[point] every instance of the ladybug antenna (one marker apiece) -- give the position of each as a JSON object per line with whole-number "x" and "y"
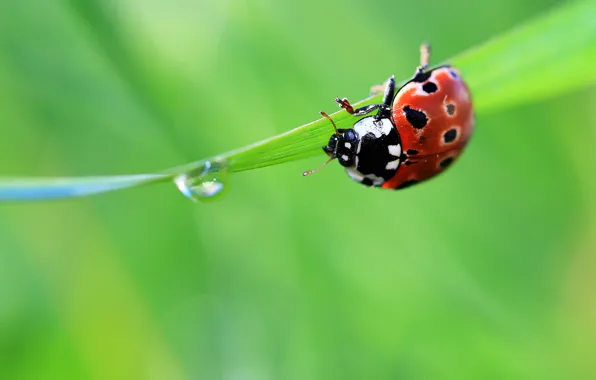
{"x": 324, "y": 114}
{"x": 309, "y": 172}
{"x": 332, "y": 156}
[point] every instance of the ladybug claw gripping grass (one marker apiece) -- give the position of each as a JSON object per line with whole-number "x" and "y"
{"x": 416, "y": 133}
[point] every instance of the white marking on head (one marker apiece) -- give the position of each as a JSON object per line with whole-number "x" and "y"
{"x": 344, "y": 157}
{"x": 348, "y": 145}
{"x": 392, "y": 165}
{"x": 371, "y": 125}
{"x": 395, "y": 150}
{"x": 387, "y": 126}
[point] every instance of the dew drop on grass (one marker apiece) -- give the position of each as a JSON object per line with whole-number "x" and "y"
{"x": 204, "y": 184}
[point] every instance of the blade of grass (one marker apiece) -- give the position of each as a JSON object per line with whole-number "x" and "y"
{"x": 547, "y": 56}
{"x": 29, "y": 189}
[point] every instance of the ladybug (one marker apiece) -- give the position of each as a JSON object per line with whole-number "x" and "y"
{"x": 417, "y": 132}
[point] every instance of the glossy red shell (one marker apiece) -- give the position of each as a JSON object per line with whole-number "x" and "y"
{"x": 449, "y": 124}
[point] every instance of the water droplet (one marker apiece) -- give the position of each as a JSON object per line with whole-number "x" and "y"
{"x": 204, "y": 184}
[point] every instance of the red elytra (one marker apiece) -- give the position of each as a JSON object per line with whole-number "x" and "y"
{"x": 450, "y": 122}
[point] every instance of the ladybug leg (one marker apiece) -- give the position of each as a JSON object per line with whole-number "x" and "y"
{"x": 424, "y": 58}
{"x": 381, "y": 88}
{"x": 424, "y": 55}
{"x": 384, "y": 87}
{"x": 386, "y": 105}
{"x": 378, "y": 89}
{"x": 345, "y": 104}
{"x": 389, "y": 92}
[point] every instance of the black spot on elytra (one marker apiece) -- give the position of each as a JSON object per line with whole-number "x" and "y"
{"x": 407, "y": 183}
{"x": 429, "y": 87}
{"x": 417, "y": 118}
{"x": 412, "y": 152}
{"x": 446, "y": 162}
{"x": 367, "y": 181}
{"x": 450, "y": 135}
{"x": 450, "y": 108}
{"x": 408, "y": 163}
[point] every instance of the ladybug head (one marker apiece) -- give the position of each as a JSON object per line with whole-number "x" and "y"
{"x": 342, "y": 145}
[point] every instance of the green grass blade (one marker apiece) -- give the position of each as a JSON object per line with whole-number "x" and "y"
{"x": 18, "y": 189}
{"x": 545, "y": 57}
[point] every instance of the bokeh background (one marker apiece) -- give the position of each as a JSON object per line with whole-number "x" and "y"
{"x": 485, "y": 273}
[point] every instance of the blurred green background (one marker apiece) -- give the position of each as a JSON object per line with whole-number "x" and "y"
{"x": 486, "y": 272}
